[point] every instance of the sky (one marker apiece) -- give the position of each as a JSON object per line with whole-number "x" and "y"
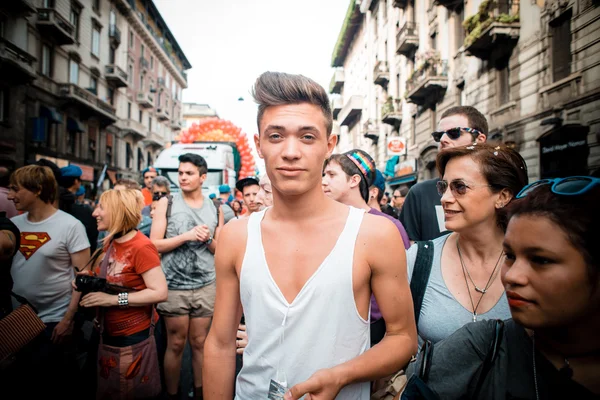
{"x": 231, "y": 42}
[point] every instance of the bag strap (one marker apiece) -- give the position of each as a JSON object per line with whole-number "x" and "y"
{"x": 491, "y": 355}
{"x": 169, "y": 206}
{"x": 104, "y": 263}
{"x": 426, "y": 359}
{"x": 420, "y": 275}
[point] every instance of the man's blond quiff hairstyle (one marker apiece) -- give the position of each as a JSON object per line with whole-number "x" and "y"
{"x": 125, "y": 208}
{"x": 278, "y": 88}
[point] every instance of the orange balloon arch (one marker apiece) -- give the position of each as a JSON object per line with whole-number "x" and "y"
{"x": 220, "y": 130}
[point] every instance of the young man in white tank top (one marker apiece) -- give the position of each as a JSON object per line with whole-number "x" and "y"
{"x": 304, "y": 270}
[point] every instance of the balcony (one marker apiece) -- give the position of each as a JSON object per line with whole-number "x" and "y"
{"x": 144, "y": 63}
{"x": 370, "y": 130}
{"x": 391, "y": 112}
{"x": 336, "y": 106}
{"x": 114, "y": 34}
{"x": 400, "y": 3}
{"x": 449, "y": 4}
{"x": 16, "y": 63}
{"x": 162, "y": 114}
{"x": 176, "y": 125}
{"x": 337, "y": 81}
{"x": 154, "y": 140}
{"x": 116, "y": 76}
{"x": 428, "y": 83}
{"x": 88, "y": 103}
{"x": 133, "y": 128}
{"x": 351, "y": 110}
{"x": 381, "y": 73}
{"x": 53, "y": 25}
{"x": 407, "y": 40}
{"x": 493, "y": 32}
{"x": 145, "y": 100}
{"x": 18, "y": 7}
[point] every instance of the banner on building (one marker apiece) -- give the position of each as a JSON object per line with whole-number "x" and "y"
{"x": 396, "y": 146}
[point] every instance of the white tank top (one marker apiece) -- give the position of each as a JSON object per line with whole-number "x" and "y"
{"x": 320, "y": 329}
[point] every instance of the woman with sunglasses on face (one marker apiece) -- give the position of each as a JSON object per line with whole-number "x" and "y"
{"x": 477, "y": 183}
{"x": 550, "y": 349}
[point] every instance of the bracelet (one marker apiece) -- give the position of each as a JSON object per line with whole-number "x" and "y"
{"x": 123, "y": 299}
{"x": 209, "y": 241}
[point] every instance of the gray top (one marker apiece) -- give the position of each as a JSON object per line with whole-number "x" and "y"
{"x": 441, "y": 314}
{"x": 228, "y": 213}
{"x": 191, "y": 265}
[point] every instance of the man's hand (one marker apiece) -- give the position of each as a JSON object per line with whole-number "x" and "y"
{"x": 322, "y": 385}
{"x": 241, "y": 339}
{"x": 202, "y": 233}
{"x": 63, "y": 330}
{"x": 99, "y": 299}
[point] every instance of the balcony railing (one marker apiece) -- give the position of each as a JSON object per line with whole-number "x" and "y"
{"x": 428, "y": 84}
{"x": 407, "y": 40}
{"x": 493, "y": 31}
{"x": 162, "y": 114}
{"x": 144, "y": 62}
{"x": 176, "y": 125}
{"x": 370, "y": 130}
{"x": 116, "y": 76}
{"x": 89, "y": 102}
{"x": 353, "y": 108}
{"x": 16, "y": 62}
{"x": 337, "y": 81}
{"x": 132, "y": 127}
{"x": 336, "y": 106}
{"x": 381, "y": 73}
{"x": 391, "y": 112}
{"x": 145, "y": 100}
{"x": 53, "y": 25}
{"x": 114, "y": 33}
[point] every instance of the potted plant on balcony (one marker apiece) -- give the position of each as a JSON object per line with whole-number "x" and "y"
{"x": 476, "y": 24}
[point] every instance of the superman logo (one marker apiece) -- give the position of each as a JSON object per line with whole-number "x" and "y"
{"x": 31, "y": 242}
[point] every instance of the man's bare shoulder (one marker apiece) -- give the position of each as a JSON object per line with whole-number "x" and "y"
{"x": 378, "y": 230}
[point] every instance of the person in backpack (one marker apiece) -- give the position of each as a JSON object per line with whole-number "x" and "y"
{"x": 550, "y": 349}
{"x": 185, "y": 230}
{"x": 477, "y": 183}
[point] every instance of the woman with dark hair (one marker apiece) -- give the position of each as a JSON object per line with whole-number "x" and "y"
{"x": 550, "y": 349}
{"x": 477, "y": 183}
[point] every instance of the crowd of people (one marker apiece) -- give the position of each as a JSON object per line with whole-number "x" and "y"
{"x": 314, "y": 282}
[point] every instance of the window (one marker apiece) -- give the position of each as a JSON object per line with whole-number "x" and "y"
{"x": 128, "y": 155}
{"x": 459, "y": 30}
{"x": 140, "y": 163}
{"x": 433, "y": 41}
{"x": 112, "y": 18}
{"x": 503, "y": 84}
{"x": 152, "y": 62}
{"x": 149, "y": 159}
{"x": 73, "y": 72}
{"x": 140, "y": 116}
{"x": 111, "y": 96}
{"x": 128, "y": 110}
{"x": 130, "y": 73}
{"x": 72, "y": 142}
{"x": 150, "y": 123}
{"x": 96, "y": 40}
{"x": 561, "y": 46}
{"x": 48, "y": 4}
{"x": 111, "y": 55}
{"x": 158, "y": 98}
{"x": 413, "y": 132}
{"x": 96, "y": 5}
{"x": 94, "y": 85}
{"x": 74, "y": 19}
{"x": 143, "y": 50}
{"x": 131, "y": 39}
{"x": 141, "y": 82}
{"x": 46, "y": 63}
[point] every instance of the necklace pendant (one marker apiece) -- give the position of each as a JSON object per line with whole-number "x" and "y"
{"x": 482, "y": 291}
{"x": 474, "y": 317}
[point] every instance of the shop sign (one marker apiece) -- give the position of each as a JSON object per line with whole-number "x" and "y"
{"x": 406, "y": 167}
{"x": 396, "y": 145}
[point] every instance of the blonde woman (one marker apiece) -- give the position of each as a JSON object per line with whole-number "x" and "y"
{"x": 134, "y": 264}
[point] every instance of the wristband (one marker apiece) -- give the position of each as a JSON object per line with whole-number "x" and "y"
{"x": 123, "y": 299}
{"x": 209, "y": 241}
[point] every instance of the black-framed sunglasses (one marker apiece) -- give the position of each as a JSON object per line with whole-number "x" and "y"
{"x": 454, "y": 133}
{"x": 458, "y": 188}
{"x": 569, "y": 186}
{"x": 158, "y": 195}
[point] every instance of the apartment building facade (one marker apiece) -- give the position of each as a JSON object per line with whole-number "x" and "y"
{"x": 105, "y": 89}
{"x": 531, "y": 67}
{"x": 195, "y": 112}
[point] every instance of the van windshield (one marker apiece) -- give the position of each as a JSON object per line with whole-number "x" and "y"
{"x": 213, "y": 178}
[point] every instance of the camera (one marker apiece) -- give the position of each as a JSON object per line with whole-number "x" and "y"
{"x": 88, "y": 283}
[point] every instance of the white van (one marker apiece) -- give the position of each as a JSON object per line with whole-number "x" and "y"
{"x": 219, "y": 157}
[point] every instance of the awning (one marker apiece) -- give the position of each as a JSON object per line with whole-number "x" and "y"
{"x": 74, "y": 125}
{"x": 50, "y": 113}
{"x": 398, "y": 180}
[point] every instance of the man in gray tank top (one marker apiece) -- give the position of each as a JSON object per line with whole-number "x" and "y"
{"x": 185, "y": 231}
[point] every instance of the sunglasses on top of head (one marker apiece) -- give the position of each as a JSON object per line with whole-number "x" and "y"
{"x": 569, "y": 186}
{"x": 454, "y": 133}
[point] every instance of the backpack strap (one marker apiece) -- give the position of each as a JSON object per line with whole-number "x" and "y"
{"x": 169, "y": 206}
{"x": 420, "y": 275}
{"x": 491, "y": 356}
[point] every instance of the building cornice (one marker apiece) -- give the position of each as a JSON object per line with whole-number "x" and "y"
{"x": 352, "y": 22}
